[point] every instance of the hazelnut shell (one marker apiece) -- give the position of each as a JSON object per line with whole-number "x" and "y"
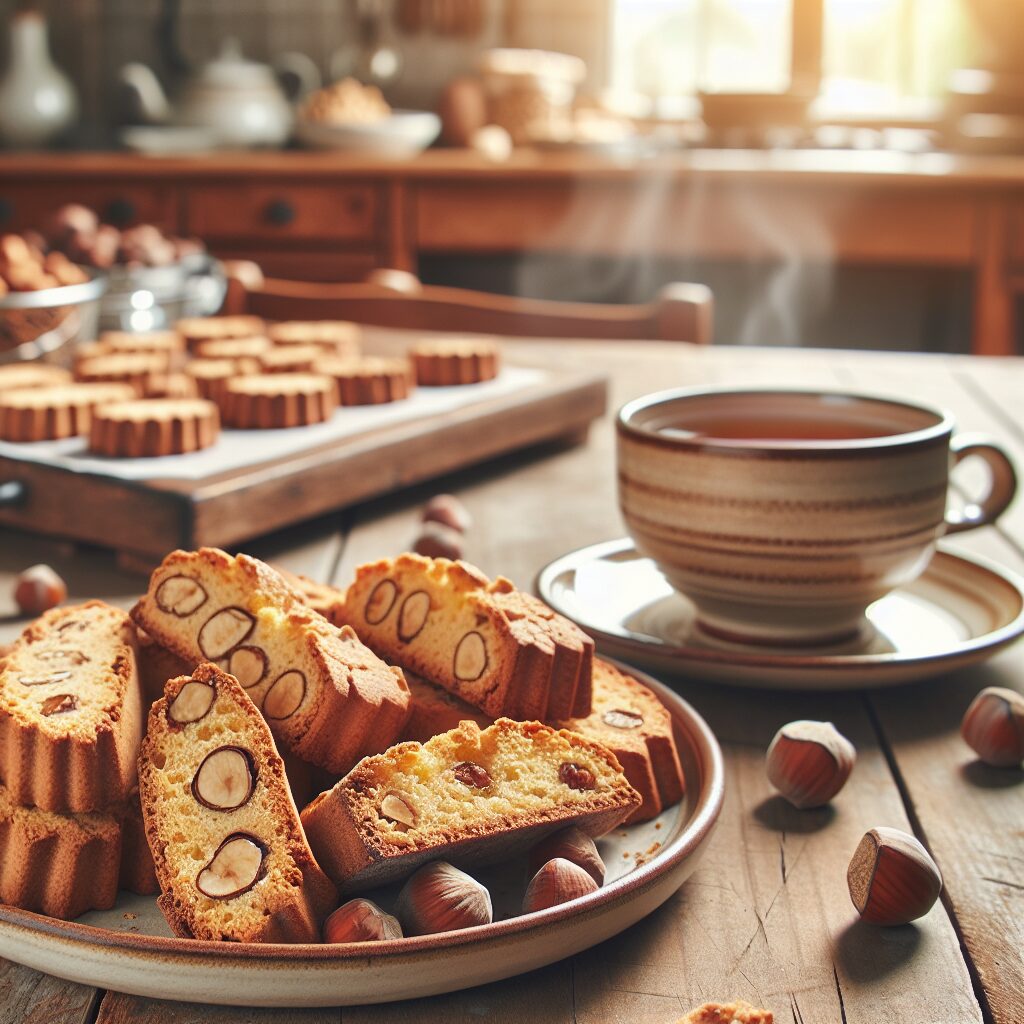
{"x": 809, "y": 762}
{"x": 892, "y": 878}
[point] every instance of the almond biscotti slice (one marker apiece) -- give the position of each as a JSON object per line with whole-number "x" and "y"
{"x": 469, "y": 796}
{"x": 57, "y": 864}
{"x": 632, "y": 723}
{"x": 327, "y": 698}
{"x": 230, "y": 855}
{"x": 435, "y": 710}
{"x": 71, "y": 710}
{"x": 497, "y": 648}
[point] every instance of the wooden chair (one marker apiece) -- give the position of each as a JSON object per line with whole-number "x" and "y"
{"x": 395, "y": 298}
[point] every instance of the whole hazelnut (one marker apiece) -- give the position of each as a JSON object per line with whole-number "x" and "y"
{"x": 437, "y": 541}
{"x": 441, "y": 898}
{"x": 449, "y": 511}
{"x": 559, "y": 881}
{"x": 993, "y": 727}
{"x": 38, "y": 589}
{"x": 891, "y": 877}
{"x": 572, "y": 844}
{"x": 809, "y": 762}
{"x": 361, "y": 921}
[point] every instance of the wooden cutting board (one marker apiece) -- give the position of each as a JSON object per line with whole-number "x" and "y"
{"x": 153, "y": 516}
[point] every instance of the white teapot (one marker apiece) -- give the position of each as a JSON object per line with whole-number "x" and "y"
{"x": 238, "y": 101}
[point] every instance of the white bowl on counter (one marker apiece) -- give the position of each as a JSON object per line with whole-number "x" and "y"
{"x": 404, "y": 134}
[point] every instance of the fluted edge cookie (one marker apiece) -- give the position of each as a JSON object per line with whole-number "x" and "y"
{"x": 14, "y": 376}
{"x": 449, "y": 361}
{"x": 369, "y": 381}
{"x": 154, "y": 427}
{"x": 212, "y": 376}
{"x": 53, "y": 413}
{"x": 199, "y": 328}
{"x": 230, "y": 854}
{"x": 632, "y": 723}
{"x": 503, "y": 651}
{"x": 278, "y": 400}
{"x": 329, "y": 700}
{"x": 232, "y": 348}
{"x": 71, "y": 710}
{"x": 134, "y": 368}
{"x": 468, "y": 796}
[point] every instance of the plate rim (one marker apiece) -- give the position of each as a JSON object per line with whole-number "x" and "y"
{"x": 691, "y": 838}
{"x": 780, "y": 659}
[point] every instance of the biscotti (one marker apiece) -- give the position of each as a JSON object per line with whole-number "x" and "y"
{"x": 154, "y": 427}
{"x": 497, "y": 648}
{"x": 57, "y": 864}
{"x": 448, "y": 361}
{"x": 230, "y": 855}
{"x": 52, "y": 413}
{"x": 435, "y": 710}
{"x": 277, "y": 400}
{"x": 632, "y": 723}
{"x": 328, "y": 699}
{"x": 71, "y": 710}
{"x": 469, "y": 796}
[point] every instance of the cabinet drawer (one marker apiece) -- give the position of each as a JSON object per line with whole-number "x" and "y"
{"x": 300, "y": 264}
{"x": 25, "y": 205}
{"x": 262, "y": 211}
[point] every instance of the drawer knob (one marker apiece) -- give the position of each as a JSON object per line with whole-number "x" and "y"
{"x": 120, "y": 212}
{"x": 280, "y": 212}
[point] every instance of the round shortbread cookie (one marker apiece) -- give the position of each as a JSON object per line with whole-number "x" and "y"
{"x": 369, "y": 381}
{"x": 335, "y": 337}
{"x": 265, "y": 401}
{"x": 149, "y": 341}
{"x": 198, "y": 328}
{"x": 14, "y": 376}
{"x": 232, "y": 348}
{"x": 171, "y": 385}
{"x": 212, "y": 375}
{"x": 447, "y": 361}
{"x": 290, "y": 358}
{"x": 48, "y": 414}
{"x": 153, "y": 427}
{"x": 135, "y": 368}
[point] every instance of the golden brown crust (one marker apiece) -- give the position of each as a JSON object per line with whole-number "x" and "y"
{"x": 171, "y": 385}
{"x": 435, "y": 710}
{"x": 288, "y": 897}
{"x": 134, "y": 368}
{"x": 278, "y": 400}
{"x": 368, "y": 381}
{"x": 232, "y": 348}
{"x": 60, "y": 865}
{"x": 138, "y": 873}
{"x": 71, "y": 710}
{"x": 212, "y": 376}
{"x": 532, "y": 662}
{"x": 170, "y": 342}
{"x": 360, "y": 847}
{"x": 337, "y": 337}
{"x": 150, "y": 428}
{"x": 451, "y": 361}
{"x": 31, "y": 375}
{"x": 198, "y": 328}
{"x": 52, "y": 413}
{"x": 290, "y": 358}
{"x": 738, "y": 1012}
{"x": 631, "y": 722}
{"x": 349, "y": 703}
{"x": 321, "y": 597}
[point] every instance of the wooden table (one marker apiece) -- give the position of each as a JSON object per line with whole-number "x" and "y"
{"x": 766, "y": 916}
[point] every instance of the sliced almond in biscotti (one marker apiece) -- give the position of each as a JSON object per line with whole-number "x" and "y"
{"x": 328, "y": 699}
{"x": 229, "y": 852}
{"x": 501, "y": 650}
{"x": 468, "y": 796}
{"x": 71, "y": 710}
{"x": 631, "y": 722}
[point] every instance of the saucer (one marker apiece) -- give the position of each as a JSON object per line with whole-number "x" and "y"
{"x": 960, "y": 611}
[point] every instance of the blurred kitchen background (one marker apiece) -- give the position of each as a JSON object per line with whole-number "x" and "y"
{"x": 752, "y": 145}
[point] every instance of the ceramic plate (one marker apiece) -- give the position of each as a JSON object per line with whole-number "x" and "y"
{"x": 405, "y": 133}
{"x": 959, "y": 612}
{"x": 129, "y": 948}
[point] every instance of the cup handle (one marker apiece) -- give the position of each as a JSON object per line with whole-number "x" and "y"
{"x": 1002, "y": 483}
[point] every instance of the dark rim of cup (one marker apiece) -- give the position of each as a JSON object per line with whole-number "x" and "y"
{"x": 627, "y": 425}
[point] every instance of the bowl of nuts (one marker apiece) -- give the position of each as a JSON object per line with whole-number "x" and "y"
{"x": 47, "y": 303}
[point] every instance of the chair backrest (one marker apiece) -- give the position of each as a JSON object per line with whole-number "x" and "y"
{"x": 390, "y": 298}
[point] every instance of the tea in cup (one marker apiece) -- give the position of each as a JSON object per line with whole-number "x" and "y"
{"x": 783, "y": 514}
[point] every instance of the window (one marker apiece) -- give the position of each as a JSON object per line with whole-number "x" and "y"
{"x": 871, "y": 53}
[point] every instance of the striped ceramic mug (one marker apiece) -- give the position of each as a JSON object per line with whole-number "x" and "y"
{"x": 783, "y": 514}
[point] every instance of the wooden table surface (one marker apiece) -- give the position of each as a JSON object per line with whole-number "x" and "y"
{"x": 766, "y": 916}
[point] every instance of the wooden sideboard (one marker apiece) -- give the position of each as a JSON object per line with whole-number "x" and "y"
{"x": 327, "y": 216}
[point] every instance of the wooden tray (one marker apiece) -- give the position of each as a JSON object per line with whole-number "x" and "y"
{"x": 129, "y": 948}
{"x": 153, "y": 516}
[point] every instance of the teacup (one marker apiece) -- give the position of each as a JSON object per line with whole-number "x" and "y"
{"x": 783, "y": 514}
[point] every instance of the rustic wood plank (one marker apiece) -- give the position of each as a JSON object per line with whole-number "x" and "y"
{"x": 121, "y": 1009}
{"x": 978, "y": 848}
{"x": 28, "y": 997}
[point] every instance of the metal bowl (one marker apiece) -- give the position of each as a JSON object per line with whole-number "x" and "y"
{"x": 47, "y": 324}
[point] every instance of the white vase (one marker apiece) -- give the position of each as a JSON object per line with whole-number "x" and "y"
{"x": 37, "y": 100}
